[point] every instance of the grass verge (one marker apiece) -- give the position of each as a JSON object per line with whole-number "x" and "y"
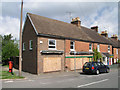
{"x": 8, "y": 75}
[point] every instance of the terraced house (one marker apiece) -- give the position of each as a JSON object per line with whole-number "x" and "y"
{"x": 50, "y": 45}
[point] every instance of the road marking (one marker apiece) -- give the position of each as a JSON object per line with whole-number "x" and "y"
{"x": 92, "y": 83}
{"x": 8, "y": 81}
{"x": 30, "y": 80}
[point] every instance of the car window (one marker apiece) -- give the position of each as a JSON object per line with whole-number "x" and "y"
{"x": 102, "y": 64}
{"x": 95, "y": 64}
{"x": 87, "y": 64}
{"x": 98, "y": 64}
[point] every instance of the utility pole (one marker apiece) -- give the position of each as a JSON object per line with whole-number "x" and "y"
{"x": 20, "y": 41}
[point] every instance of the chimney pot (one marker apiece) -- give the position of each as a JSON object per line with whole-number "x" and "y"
{"x": 114, "y": 36}
{"x": 95, "y": 28}
{"x": 76, "y": 21}
{"x": 104, "y": 33}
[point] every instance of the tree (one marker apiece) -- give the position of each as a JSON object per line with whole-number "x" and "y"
{"x": 97, "y": 55}
{"x": 9, "y": 47}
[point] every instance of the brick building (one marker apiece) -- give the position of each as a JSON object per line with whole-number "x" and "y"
{"x": 51, "y": 45}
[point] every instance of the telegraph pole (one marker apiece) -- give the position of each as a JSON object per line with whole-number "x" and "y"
{"x": 20, "y": 41}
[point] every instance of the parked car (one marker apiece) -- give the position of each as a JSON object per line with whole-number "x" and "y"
{"x": 95, "y": 67}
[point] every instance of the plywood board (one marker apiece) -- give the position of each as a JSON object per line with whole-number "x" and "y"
{"x": 79, "y": 62}
{"x": 51, "y": 64}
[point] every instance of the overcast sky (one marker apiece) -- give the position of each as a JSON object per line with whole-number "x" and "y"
{"x": 102, "y": 14}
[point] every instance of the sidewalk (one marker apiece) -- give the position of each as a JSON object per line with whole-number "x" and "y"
{"x": 44, "y": 75}
{"x": 52, "y": 74}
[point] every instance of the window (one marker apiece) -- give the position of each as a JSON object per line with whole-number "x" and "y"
{"x": 52, "y": 44}
{"x": 90, "y": 47}
{"x": 23, "y": 46}
{"x": 108, "y": 48}
{"x": 116, "y": 51}
{"x": 72, "y": 45}
{"x": 98, "y": 48}
{"x": 30, "y": 44}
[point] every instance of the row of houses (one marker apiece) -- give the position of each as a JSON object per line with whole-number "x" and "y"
{"x": 50, "y": 45}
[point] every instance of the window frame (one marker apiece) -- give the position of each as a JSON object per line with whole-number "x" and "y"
{"x": 90, "y": 47}
{"x": 23, "y": 46}
{"x": 108, "y": 48}
{"x": 98, "y": 47}
{"x": 116, "y": 51}
{"x": 30, "y": 48}
{"x": 73, "y": 46}
{"x": 51, "y": 45}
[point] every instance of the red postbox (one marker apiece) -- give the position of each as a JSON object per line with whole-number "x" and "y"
{"x": 10, "y": 66}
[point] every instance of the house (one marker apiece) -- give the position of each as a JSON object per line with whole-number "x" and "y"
{"x": 115, "y": 46}
{"x": 50, "y": 45}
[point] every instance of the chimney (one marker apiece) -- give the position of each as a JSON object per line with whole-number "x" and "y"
{"x": 104, "y": 33}
{"x": 95, "y": 28}
{"x": 114, "y": 36}
{"x": 76, "y": 21}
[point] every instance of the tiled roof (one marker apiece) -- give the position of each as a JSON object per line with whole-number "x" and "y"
{"x": 51, "y": 27}
{"x": 115, "y": 43}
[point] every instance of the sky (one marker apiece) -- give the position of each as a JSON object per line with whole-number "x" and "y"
{"x": 101, "y": 14}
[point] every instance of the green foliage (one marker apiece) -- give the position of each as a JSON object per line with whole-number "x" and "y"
{"x": 8, "y": 75}
{"x": 119, "y": 61}
{"x": 9, "y": 47}
{"x": 97, "y": 55}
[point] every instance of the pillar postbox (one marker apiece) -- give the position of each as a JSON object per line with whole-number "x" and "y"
{"x": 10, "y": 66}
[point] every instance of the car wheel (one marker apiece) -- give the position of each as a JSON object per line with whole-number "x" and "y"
{"x": 108, "y": 70}
{"x": 97, "y": 72}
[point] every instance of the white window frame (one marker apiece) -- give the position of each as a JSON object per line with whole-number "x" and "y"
{"x": 30, "y": 45}
{"x": 73, "y": 46}
{"x": 24, "y": 46}
{"x": 108, "y": 48}
{"x": 90, "y": 47}
{"x": 98, "y": 47}
{"x": 51, "y": 45}
{"x": 116, "y": 51}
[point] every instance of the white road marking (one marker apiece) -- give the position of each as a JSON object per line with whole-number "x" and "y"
{"x": 92, "y": 83}
{"x": 8, "y": 81}
{"x": 30, "y": 80}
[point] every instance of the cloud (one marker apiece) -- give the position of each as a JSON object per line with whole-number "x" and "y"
{"x": 103, "y": 14}
{"x": 9, "y": 25}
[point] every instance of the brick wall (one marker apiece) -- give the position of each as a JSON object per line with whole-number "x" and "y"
{"x": 119, "y": 53}
{"x": 29, "y": 62}
{"x": 44, "y": 46}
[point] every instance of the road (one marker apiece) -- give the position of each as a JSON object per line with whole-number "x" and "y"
{"x": 105, "y": 80}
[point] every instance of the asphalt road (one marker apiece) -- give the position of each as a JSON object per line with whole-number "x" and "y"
{"x": 105, "y": 80}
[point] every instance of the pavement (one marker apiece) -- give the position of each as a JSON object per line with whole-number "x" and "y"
{"x": 50, "y": 75}
{"x": 66, "y": 80}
